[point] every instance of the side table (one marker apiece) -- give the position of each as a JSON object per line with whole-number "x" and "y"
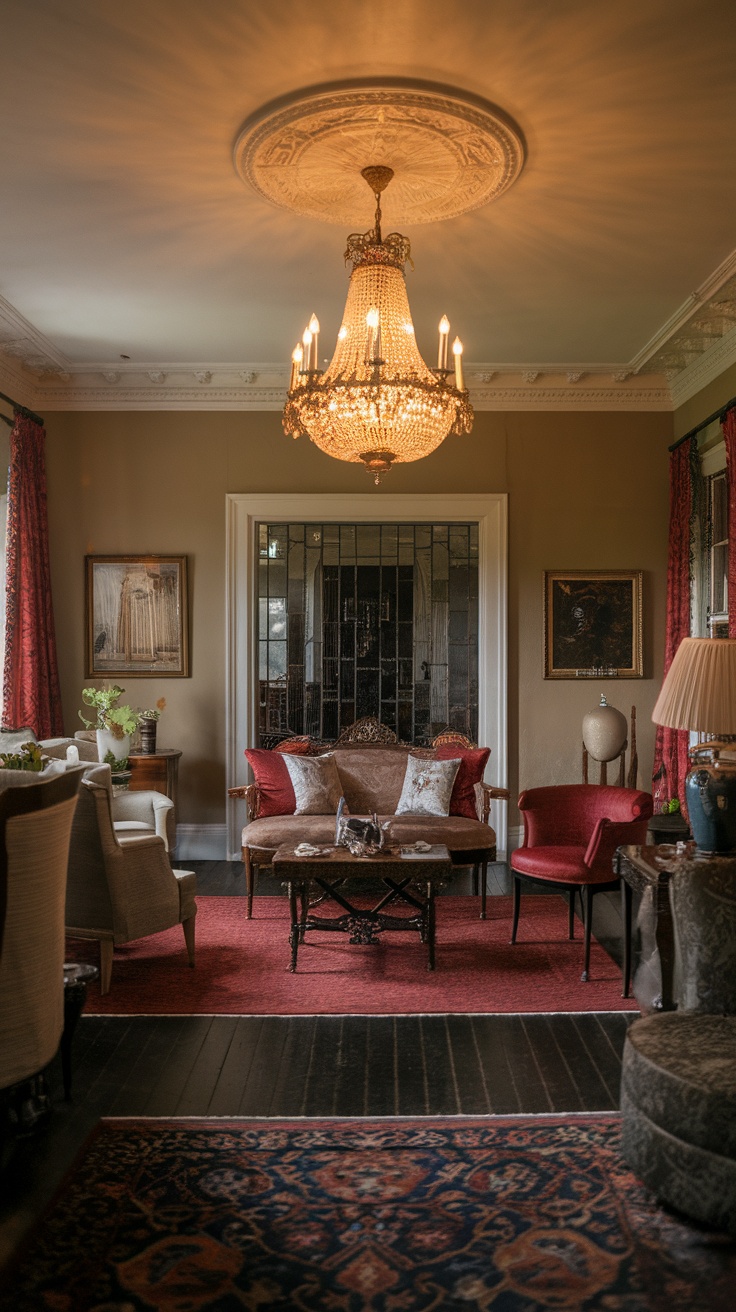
{"x": 76, "y": 979}
{"x": 159, "y": 771}
{"x": 648, "y": 870}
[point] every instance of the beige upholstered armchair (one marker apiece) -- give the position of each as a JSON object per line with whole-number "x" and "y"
{"x": 141, "y": 810}
{"x": 121, "y": 886}
{"x": 35, "y": 826}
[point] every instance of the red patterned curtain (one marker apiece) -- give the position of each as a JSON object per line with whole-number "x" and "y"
{"x": 670, "y": 750}
{"x": 729, "y": 437}
{"x": 31, "y": 693}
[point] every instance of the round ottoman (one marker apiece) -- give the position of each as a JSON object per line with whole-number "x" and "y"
{"x": 678, "y": 1103}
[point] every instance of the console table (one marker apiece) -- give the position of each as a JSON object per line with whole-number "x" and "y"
{"x": 648, "y": 870}
{"x": 160, "y": 772}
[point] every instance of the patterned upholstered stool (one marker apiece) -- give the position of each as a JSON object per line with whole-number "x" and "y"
{"x": 678, "y": 1101}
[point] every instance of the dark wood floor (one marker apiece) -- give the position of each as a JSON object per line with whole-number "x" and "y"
{"x": 317, "y": 1066}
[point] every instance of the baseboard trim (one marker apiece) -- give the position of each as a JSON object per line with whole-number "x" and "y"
{"x": 515, "y": 838}
{"x": 202, "y": 843}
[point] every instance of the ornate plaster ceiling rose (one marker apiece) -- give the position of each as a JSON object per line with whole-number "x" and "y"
{"x": 450, "y": 152}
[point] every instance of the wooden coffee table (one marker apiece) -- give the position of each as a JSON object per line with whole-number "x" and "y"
{"x": 313, "y": 879}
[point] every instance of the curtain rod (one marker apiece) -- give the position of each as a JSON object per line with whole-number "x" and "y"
{"x": 19, "y": 409}
{"x": 717, "y": 414}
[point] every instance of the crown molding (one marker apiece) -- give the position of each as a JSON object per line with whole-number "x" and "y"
{"x": 714, "y": 361}
{"x": 690, "y": 350}
{"x": 698, "y": 342}
{"x": 263, "y": 387}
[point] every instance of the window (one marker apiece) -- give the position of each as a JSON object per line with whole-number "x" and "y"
{"x": 717, "y": 549}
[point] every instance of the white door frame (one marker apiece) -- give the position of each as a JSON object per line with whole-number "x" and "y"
{"x": 244, "y": 511}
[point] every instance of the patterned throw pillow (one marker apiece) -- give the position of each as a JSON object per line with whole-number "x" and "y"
{"x": 427, "y": 787}
{"x": 316, "y": 784}
{"x": 473, "y": 761}
{"x": 275, "y": 792}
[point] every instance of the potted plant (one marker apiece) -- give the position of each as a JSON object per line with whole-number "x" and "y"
{"x": 113, "y": 724}
{"x": 147, "y": 721}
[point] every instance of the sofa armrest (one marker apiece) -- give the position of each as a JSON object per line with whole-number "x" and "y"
{"x": 250, "y": 793}
{"x": 484, "y": 795}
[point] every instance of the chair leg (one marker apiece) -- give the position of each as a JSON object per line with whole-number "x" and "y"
{"x": 188, "y": 927}
{"x": 626, "y": 900}
{"x": 587, "y": 922}
{"x": 571, "y": 913}
{"x": 517, "y": 907}
{"x": 249, "y": 881}
{"x": 483, "y": 888}
{"x": 106, "y": 947}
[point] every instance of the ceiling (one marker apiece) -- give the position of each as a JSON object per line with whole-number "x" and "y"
{"x": 126, "y": 231}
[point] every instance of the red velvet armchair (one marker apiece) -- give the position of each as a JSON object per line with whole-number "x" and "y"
{"x": 571, "y": 832}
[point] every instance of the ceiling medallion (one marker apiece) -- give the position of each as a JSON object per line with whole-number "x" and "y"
{"x": 450, "y": 151}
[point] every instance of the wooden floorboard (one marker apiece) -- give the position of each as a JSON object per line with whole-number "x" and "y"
{"x": 319, "y": 1066}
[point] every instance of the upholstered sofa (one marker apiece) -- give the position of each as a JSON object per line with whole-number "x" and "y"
{"x": 371, "y": 777}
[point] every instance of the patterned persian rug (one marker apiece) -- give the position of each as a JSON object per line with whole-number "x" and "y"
{"x": 503, "y": 1215}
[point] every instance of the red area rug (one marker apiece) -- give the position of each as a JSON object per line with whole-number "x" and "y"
{"x": 242, "y": 966}
{"x": 503, "y": 1214}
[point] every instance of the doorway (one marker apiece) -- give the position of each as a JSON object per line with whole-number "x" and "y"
{"x": 248, "y": 514}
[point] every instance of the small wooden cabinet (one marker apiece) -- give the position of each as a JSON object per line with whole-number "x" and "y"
{"x": 159, "y": 771}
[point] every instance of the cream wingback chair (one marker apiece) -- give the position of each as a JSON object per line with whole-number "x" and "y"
{"x": 121, "y": 887}
{"x": 139, "y": 811}
{"x": 35, "y": 827}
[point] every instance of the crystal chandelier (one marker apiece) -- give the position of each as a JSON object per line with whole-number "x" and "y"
{"x": 377, "y": 402}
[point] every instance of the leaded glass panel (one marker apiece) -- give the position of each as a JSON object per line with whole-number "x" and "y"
{"x": 367, "y": 619}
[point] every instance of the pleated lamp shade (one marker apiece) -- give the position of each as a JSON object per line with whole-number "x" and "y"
{"x": 699, "y": 690}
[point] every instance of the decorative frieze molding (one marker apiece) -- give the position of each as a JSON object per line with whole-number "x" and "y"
{"x": 696, "y": 345}
{"x": 224, "y": 387}
{"x": 699, "y": 340}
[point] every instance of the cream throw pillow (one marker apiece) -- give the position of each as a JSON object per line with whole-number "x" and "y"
{"x": 427, "y": 787}
{"x": 316, "y": 783}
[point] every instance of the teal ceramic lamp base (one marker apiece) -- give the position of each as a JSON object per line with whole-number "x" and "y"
{"x": 710, "y": 795}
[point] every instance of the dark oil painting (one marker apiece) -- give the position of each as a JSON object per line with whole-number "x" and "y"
{"x": 592, "y": 624}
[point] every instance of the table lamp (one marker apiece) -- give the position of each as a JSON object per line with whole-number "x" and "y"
{"x": 699, "y": 693}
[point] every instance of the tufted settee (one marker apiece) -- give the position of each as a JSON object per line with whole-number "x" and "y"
{"x": 372, "y": 777}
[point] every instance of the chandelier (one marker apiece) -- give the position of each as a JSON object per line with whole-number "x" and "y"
{"x": 377, "y": 402}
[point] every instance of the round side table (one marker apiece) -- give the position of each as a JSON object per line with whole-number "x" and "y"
{"x": 76, "y": 979}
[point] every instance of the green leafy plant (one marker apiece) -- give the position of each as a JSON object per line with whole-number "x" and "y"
{"x": 116, "y": 766}
{"x": 118, "y": 720}
{"x": 671, "y": 807}
{"x": 28, "y": 758}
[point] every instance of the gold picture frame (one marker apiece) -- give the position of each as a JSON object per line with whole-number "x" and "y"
{"x": 137, "y": 617}
{"x": 593, "y": 624}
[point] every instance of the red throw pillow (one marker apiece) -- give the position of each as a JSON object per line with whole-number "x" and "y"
{"x": 275, "y": 789}
{"x": 473, "y": 762}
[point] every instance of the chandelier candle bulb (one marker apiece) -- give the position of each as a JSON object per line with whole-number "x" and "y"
{"x": 457, "y": 351}
{"x": 297, "y": 356}
{"x": 314, "y": 330}
{"x": 307, "y": 358}
{"x": 444, "y": 334}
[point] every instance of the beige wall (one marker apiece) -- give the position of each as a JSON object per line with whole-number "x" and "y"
{"x": 705, "y": 402}
{"x": 585, "y": 491}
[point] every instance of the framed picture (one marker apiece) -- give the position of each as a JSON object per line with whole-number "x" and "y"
{"x": 137, "y": 623}
{"x": 592, "y": 624}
